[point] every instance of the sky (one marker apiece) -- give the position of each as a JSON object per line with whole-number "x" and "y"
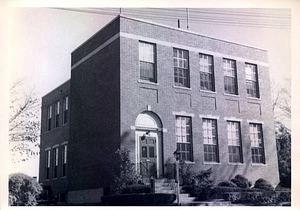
{"x": 41, "y": 40}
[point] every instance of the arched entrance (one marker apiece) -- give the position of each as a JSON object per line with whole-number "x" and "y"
{"x": 148, "y": 139}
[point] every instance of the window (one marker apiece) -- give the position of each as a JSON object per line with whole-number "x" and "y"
{"x": 210, "y": 139}
{"x": 48, "y": 158}
{"x": 64, "y": 159}
{"x": 230, "y": 82}
{"x": 257, "y": 145}
{"x": 252, "y": 80}
{"x": 206, "y": 72}
{"x": 184, "y": 137}
{"x": 147, "y": 61}
{"x": 181, "y": 67}
{"x": 55, "y": 163}
{"x": 49, "y": 118}
{"x": 57, "y": 114}
{"x": 65, "y": 109}
{"x": 234, "y": 142}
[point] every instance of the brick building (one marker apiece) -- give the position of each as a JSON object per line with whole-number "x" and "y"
{"x": 155, "y": 89}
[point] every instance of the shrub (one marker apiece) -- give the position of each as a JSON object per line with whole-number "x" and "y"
{"x": 263, "y": 184}
{"x": 220, "y": 192}
{"x": 253, "y": 197}
{"x": 241, "y": 181}
{"x": 23, "y": 190}
{"x": 227, "y": 184}
{"x": 136, "y": 188}
{"x": 150, "y": 199}
{"x": 127, "y": 174}
{"x": 201, "y": 184}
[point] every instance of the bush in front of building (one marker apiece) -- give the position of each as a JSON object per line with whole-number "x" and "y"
{"x": 23, "y": 190}
{"x": 136, "y": 188}
{"x": 227, "y": 184}
{"x": 126, "y": 175}
{"x": 263, "y": 184}
{"x": 241, "y": 181}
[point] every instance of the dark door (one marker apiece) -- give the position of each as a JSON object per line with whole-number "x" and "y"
{"x": 148, "y": 157}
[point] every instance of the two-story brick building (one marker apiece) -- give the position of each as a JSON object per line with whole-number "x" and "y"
{"x": 155, "y": 89}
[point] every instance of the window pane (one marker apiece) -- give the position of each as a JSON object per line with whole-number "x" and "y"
{"x": 257, "y": 147}
{"x": 181, "y": 71}
{"x": 147, "y": 61}
{"x": 144, "y": 152}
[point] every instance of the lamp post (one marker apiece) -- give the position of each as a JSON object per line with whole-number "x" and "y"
{"x": 176, "y": 155}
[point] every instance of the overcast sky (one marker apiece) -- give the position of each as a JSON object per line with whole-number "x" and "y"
{"x": 41, "y": 41}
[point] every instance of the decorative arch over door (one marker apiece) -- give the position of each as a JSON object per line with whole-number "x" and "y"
{"x": 148, "y": 139}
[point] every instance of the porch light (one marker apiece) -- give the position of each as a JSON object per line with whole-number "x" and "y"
{"x": 145, "y": 134}
{"x": 177, "y": 155}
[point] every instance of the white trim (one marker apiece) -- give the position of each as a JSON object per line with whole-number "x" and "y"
{"x": 164, "y": 130}
{"x": 208, "y": 91}
{"x": 193, "y": 49}
{"x": 209, "y": 116}
{"x": 236, "y": 164}
{"x": 48, "y": 148}
{"x": 183, "y": 113}
{"x": 55, "y": 146}
{"x": 232, "y": 119}
{"x": 258, "y": 164}
{"x": 211, "y": 163}
{"x": 181, "y": 87}
{"x": 234, "y": 95}
{"x": 255, "y": 121}
{"x": 96, "y": 50}
{"x": 65, "y": 142}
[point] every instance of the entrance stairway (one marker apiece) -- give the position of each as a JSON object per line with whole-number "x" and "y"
{"x": 169, "y": 186}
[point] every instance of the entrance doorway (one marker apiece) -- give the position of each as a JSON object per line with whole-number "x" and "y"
{"x": 148, "y": 157}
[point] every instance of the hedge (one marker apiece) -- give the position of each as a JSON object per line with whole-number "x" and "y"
{"x": 136, "y": 188}
{"x": 149, "y": 199}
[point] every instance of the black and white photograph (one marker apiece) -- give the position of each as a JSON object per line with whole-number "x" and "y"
{"x": 151, "y": 105}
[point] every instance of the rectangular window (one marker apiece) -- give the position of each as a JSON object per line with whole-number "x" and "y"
{"x": 57, "y": 105}
{"x": 55, "y": 162}
{"x": 65, "y": 109}
{"x": 64, "y": 160}
{"x": 184, "y": 137}
{"x": 147, "y": 61}
{"x": 48, "y": 159}
{"x": 206, "y": 72}
{"x": 257, "y": 144}
{"x": 49, "y": 118}
{"x": 210, "y": 139}
{"x": 230, "y": 81}
{"x": 252, "y": 80}
{"x": 181, "y": 68}
{"x": 234, "y": 142}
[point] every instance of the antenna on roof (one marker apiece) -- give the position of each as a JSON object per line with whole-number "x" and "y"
{"x": 187, "y": 18}
{"x": 120, "y": 10}
{"x": 178, "y": 23}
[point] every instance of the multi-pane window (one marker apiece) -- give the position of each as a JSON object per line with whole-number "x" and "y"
{"x": 230, "y": 81}
{"x": 147, "y": 61}
{"x": 57, "y": 105}
{"x": 181, "y": 67}
{"x": 64, "y": 159}
{"x": 252, "y": 80}
{"x": 65, "y": 109}
{"x": 210, "y": 139}
{"x": 55, "y": 162}
{"x": 234, "y": 142}
{"x": 184, "y": 137}
{"x": 49, "y": 118}
{"x": 48, "y": 159}
{"x": 206, "y": 72}
{"x": 257, "y": 144}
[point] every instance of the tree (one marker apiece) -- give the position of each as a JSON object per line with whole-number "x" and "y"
{"x": 24, "y": 125}
{"x": 283, "y": 140}
{"x": 23, "y": 190}
{"x": 282, "y": 117}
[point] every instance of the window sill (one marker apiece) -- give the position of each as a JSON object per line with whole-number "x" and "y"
{"x": 147, "y": 82}
{"x": 253, "y": 98}
{"x": 228, "y": 94}
{"x": 259, "y": 164}
{"x": 54, "y": 178}
{"x": 63, "y": 177}
{"x": 183, "y": 88}
{"x": 211, "y": 163}
{"x": 236, "y": 164}
{"x": 189, "y": 162}
{"x": 208, "y": 91}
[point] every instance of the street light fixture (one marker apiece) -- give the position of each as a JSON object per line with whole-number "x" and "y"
{"x": 177, "y": 155}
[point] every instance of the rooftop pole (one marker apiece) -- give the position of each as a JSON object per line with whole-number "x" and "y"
{"x": 187, "y": 18}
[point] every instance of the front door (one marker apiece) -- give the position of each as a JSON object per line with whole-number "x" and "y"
{"x": 148, "y": 157}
